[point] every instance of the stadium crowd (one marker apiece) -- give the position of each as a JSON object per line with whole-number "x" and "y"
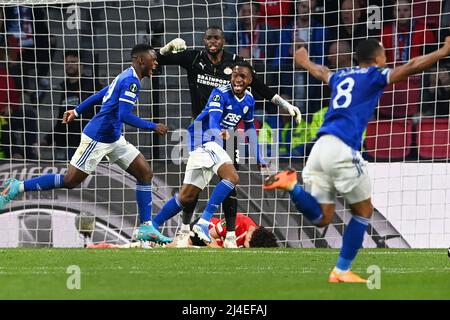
{"x": 265, "y": 32}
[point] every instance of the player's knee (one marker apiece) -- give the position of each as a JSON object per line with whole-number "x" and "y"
{"x": 233, "y": 178}
{"x": 70, "y": 183}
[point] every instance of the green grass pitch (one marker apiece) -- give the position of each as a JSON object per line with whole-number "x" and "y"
{"x": 218, "y": 274}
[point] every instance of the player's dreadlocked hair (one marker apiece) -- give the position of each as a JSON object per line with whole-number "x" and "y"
{"x": 246, "y": 64}
{"x": 140, "y": 48}
{"x": 367, "y": 50}
{"x": 263, "y": 238}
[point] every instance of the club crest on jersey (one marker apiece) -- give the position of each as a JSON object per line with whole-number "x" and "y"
{"x": 227, "y": 71}
{"x": 245, "y": 109}
{"x": 133, "y": 88}
{"x": 216, "y": 98}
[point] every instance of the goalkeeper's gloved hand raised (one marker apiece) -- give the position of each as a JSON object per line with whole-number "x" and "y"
{"x": 293, "y": 110}
{"x": 174, "y": 46}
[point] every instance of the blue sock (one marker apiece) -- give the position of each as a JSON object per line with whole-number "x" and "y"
{"x": 171, "y": 208}
{"x": 306, "y": 204}
{"x": 219, "y": 194}
{"x": 45, "y": 182}
{"x": 144, "y": 201}
{"x": 352, "y": 241}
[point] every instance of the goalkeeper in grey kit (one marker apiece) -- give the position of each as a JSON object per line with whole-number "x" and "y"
{"x": 207, "y": 69}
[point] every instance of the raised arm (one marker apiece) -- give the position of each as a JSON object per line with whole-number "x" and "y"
{"x": 419, "y": 64}
{"x": 267, "y": 93}
{"x": 319, "y": 72}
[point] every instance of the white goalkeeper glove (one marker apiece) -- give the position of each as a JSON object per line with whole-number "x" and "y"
{"x": 174, "y": 46}
{"x": 293, "y": 110}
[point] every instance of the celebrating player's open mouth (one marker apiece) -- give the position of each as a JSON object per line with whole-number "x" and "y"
{"x": 240, "y": 79}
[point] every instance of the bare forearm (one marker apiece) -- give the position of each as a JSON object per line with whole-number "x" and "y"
{"x": 317, "y": 71}
{"x": 422, "y": 63}
{"x": 417, "y": 65}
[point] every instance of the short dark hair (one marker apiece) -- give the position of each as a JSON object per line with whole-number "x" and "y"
{"x": 140, "y": 48}
{"x": 215, "y": 27}
{"x": 263, "y": 238}
{"x": 367, "y": 50}
{"x": 244, "y": 63}
{"x": 73, "y": 53}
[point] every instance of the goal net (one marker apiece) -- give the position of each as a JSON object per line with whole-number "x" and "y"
{"x": 53, "y": 54}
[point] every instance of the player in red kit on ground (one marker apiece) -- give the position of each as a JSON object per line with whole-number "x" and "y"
{"x": 248, "y": 234}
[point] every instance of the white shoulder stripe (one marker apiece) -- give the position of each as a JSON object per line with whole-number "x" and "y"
{"x": 126, "y": 100}
{"x": 247, "y": 91}
{"x": 225, "y": 88}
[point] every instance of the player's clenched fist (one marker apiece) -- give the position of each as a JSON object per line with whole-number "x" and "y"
{"x": 447, "y": 44}
{"x": 161, "y": 129}
{"x": 174, "y": 46}
{"x": 68, "y": 116}
{"x": 301, "y": 56}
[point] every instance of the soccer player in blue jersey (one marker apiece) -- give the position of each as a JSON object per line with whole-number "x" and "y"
{"x": 335, "y": 163}
{"x": 102, "y": 137}
{"x": 226, "y": 107}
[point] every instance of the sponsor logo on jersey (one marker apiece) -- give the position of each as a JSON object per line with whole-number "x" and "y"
{"x": 211, "y": 81}
{"x": 216, "y": 98}
{"x": 232, "y": 118}
{"x": 130, "y": 94}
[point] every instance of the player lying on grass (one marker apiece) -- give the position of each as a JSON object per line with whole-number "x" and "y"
{"x": 226, "y": 107}
{"x": 102, "y": 137}
{"x": 248, "y": 235}
{"x": 335, "y": 163}
{"x": 206, "y": 70}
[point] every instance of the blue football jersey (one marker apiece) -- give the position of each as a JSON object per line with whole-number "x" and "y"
{"x": 232, "y": 111}
{"x": 106, "y": 126}
{"x": 355, "y": 93}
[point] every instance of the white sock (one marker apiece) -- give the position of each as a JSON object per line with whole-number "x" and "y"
{"x": 185, "y": 228}
{"x": 231, "y": 234}
{"x": 21, "y": 187}
{"x": 339, "y": 271}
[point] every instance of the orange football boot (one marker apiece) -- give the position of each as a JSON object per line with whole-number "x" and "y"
{"x": 282, "y": 180}
{"x": 348, "y": 277}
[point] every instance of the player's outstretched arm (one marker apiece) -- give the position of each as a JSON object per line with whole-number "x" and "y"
{"x": 267, "y": 93}
{"x": 126, "y": 116}
{"x": 319, "y": 72}
{"x": 419, "y": 64}
{"x": 174, "y": 46}
{"x": 91, "y": 101}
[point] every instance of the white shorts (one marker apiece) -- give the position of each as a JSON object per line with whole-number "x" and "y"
{"x": 90, "y": 152}
{"x": 332, "y": 167}
{"x": 203, "y": 162}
